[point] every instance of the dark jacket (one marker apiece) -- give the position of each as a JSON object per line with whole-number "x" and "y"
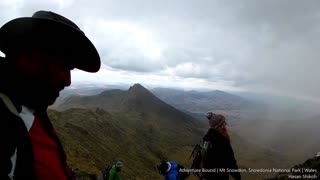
{"x": 14, "y": 136}
{"x": 219, "y": 156}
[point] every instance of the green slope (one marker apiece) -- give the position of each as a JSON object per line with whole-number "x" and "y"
{"x": 310, "y": 169}
{"x": 139, "y": 129}
{"x": 95, "y": 137}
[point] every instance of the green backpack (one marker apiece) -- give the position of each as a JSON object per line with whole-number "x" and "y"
{"x": 199, "y": 155}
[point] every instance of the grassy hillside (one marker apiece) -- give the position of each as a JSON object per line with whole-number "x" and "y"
{"x": 94, "y": 137}
{"x": 301, "y": 170}
{"x": 133, "y": 126}
{"x": 138, "y": 128}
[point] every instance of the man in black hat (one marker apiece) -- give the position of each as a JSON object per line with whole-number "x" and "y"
{"x": 40, "y": 51}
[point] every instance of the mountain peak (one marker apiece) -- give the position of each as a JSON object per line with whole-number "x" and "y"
{"x": 217, "y": 91}
{"x": 137, "y": 88}
{"x": 137, "y": 85}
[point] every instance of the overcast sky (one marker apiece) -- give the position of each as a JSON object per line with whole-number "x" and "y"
{"x": 262, "y": 46}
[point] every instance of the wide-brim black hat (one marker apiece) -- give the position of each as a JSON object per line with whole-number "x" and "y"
{"x": 53, "y": 33}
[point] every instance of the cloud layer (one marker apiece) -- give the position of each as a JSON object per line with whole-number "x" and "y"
{"x": 268, "y": 46}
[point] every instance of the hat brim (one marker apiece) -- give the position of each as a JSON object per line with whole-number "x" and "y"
{"x": 53, "y": 35}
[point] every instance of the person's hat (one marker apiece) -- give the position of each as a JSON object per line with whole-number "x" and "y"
{"x": 215, "y": 120}
{"x": 53, "y": 33}
{"x": 119, "y": 164}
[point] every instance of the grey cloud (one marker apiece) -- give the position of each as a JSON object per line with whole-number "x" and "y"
{"x": 134, "y": 64}
{"x": 253, "y": 44}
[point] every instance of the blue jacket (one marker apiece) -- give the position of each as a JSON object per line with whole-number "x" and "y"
{"x": 172, "y": 173}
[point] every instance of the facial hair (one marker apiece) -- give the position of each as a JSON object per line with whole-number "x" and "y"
{"x": 36, "y": 93}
